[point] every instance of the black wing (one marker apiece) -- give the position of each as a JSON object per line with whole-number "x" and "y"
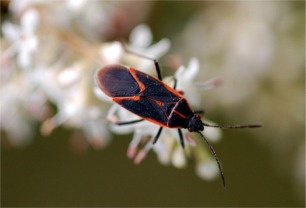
{"x": 117, "y": 81}
{"x": 139, "y": 93}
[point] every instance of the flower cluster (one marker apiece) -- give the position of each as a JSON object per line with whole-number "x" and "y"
{"x": 47, "y": 79}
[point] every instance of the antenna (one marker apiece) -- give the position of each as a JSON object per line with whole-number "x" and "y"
{"x": 224, "y": 127}
{"x": 233, "y": 126}
{"x": 215, "y": 155}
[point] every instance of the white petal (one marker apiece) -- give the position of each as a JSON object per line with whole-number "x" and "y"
{"x": 207, "y": 170}
{"x": 111, "y": 53}
{"x": 30, "y": 21}
{"x": 179, "y": 158}
{"x": 96, "y": 132}
{"x": 212, "y": 83}
{"x": 158, "y": 49}
{"x": 70, "y": 75}
{"x": 145, "y": 127}
{"x": 141, "y": 36}
{"x": 94, "y": 113}
{"x": 24, "y": 57}
{"x": 179, "y": 74}
{"x": 123, "y": 115}
{"x": 212, "y": 134}
{"x": 155, "y": 51}
{"x": 19, "y": 6}
{"x": 11, "y": 31}
{"x": 187, "y": 75}
{"x": 162, "y": 151}
{"x": 30, "y": 43}
{"x": 193, "y": 67}
{"x": 71, "y": 109}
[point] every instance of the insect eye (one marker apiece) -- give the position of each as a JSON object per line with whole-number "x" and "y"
{"x": 197, "y": 116}
{"x": 190, "y": 129}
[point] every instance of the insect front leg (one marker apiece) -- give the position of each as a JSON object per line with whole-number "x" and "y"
{"x": 157, "y": 67}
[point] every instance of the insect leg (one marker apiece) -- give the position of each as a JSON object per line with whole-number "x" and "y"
{"x": 142, "y": 56}
{"x": 175, "y": 82}
{"x": 127, "y": 122}
{"x": 181, "y": 138}
{"x": 157, "y": 135}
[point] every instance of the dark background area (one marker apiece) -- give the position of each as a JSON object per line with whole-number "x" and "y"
{"x": 47, "y": 174}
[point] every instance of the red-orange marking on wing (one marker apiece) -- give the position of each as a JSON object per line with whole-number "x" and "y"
{"x": 133, "y": 73}
{"x": 178, "y": 113}
{"x": 118, "y": 99}
{"x": 159, "y": 103}
{"x": 143, "y": 87}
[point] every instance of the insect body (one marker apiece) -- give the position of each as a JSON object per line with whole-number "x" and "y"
{"x": 147, "y": 97}
{"x": 153, "y": 100}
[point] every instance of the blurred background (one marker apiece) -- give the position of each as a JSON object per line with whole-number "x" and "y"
{"x": 55, "y": 153}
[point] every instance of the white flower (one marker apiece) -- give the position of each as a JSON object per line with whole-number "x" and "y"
{"x": 19, "y": 6}
{"x": 24, "y": 39}
{"x": 141, "y": 43}
{"x": 69, "y": 90}
{"x": 21, "y": 105}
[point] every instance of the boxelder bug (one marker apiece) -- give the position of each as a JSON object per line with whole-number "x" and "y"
{"x": 154, "y": 101}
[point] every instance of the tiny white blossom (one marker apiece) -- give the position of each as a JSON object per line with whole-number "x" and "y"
{"x": 179, "y": 159}
{"x": 19, "y": 6}
{"x": 141, "y": 43}
{"x": 212, "y": 134}
{"x": 111, "y": 52}
{"x": 207, "y": 170}
{"x": 21, "y": 105}
{"x": 141, "y": 37}
{"x": 69, "y": 91}
{"x": 24, "y": 39}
